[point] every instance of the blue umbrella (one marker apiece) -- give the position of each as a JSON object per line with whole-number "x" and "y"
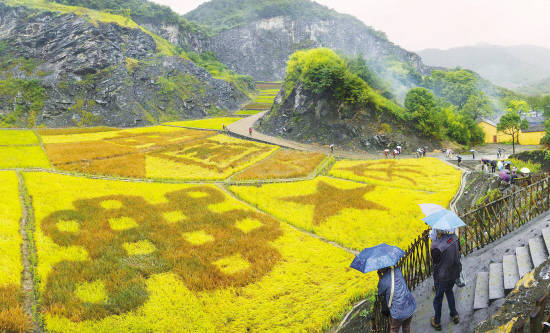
{"x": 377, "y": 257}
{"x": 444, "y": 220}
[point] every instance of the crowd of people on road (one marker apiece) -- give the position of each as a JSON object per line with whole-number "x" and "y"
{"x": 398, "y": 302}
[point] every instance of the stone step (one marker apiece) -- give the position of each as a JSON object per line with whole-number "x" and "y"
{"x": 496, "y": 281}
{"x": 481, "y": 293}
{"x": 546, "y": 237}
{"x": 510, "y": 271}
{"x": 524, "y": 261}
{"x": 538, "y": 253}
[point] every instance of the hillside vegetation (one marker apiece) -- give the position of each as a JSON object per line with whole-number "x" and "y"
{"x": 326, "y": 99}
{"x": 507, "y": 66}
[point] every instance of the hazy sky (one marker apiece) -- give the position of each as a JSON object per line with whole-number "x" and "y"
{"x": 419, "y": 24}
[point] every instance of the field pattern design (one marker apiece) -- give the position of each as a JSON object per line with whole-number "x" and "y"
{"x": 186, "y": 239}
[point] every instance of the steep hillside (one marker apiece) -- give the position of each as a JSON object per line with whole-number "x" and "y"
{"x": 541, "y": 87}
{"x": 66, "y": 66}
{"x": 257, "y": 38}
{"x": 323, "y": 101}
{"x": 507, "y": 66}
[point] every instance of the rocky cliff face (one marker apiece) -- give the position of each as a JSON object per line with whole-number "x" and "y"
{"x": 304, "y": 117}
{"x": 262, "y": 48}
{"x": 97, "y": 74}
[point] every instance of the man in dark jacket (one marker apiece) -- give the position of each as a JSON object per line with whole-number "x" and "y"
{"x": 447, "y": 268}
{"x": 402, "y": 305}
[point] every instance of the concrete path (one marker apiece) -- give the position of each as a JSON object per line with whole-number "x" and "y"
{"x": 241, "y": 127}
{"x": 471, "y": 264}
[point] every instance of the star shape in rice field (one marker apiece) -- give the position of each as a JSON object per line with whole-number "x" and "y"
{"x": 330, "y": 200}
{"x": 393, "y": 169}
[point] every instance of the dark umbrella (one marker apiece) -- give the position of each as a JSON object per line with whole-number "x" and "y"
{"x": 377, "y": 257}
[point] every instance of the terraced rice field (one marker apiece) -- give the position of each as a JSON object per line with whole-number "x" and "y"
{"x": 264, "y": 100}
{"x": 171, "y": 246}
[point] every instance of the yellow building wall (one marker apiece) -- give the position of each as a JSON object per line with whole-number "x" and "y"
{"x": 489, "y": 130}
{"x": 529, "y": 138}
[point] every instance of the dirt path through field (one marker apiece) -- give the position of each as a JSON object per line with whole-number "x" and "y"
{"x": 27, "y": 249}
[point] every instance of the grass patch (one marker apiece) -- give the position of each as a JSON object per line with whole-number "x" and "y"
{"x": 283, "y": 164}
{"x": 209, "y": 123}
{"x": 17, "y": 137}
{"x": 533, "y": 167}
{"x": 23, "y": 157}
{"x": 263, "y": 278}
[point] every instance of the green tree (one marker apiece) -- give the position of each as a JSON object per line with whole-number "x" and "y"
{"x": 422, "y": 111}
{"x": 511, "y": 124}
{"x": 477, "y": 106}
{"x": 517, "y": 106}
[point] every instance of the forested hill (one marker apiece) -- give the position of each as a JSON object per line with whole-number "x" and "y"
{"x": 507, "y": 66}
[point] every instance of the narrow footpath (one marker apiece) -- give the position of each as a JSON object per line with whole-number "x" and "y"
{"x": 240, "y": 128}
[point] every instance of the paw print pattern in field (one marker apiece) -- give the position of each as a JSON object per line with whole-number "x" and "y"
{"x": 386, "y": 171}
{"x": 128, "y": 239}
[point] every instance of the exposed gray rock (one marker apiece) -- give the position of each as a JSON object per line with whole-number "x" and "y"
{"x": 105, "y": 74}
{"x": 304, "y": 117}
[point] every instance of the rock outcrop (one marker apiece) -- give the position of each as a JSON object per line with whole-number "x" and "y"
{"x": 262, "y": 48}
{"x": 98, "y": 74}
{"x": 304, "y": 117}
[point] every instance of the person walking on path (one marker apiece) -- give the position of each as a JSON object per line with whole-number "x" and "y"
{"x": 493, "y": 166}
{"x": 250, "y": 131}
{"x": 386, "y": 153}
{"x": 331, "y": 148}
{"x": 447, "y": 268}
{"x": 459, "y": 159}
{"x": 397, "y": 300}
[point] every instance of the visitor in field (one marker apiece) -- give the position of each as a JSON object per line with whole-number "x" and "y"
{"x": 250, "y": 131}
{"x": 386, "y": 153}
{"x": 493, "y": 166}
{"x": 394, "y": 152}
{"x": 447, "y": 268}
{"x": 397, "y": 300}
{"x": 331, "y": 148}
{"x": 459, "y": 159}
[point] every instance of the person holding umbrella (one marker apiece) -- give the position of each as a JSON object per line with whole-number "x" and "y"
{"x": 446, "y": 259}
{"x": 396, "y": 298}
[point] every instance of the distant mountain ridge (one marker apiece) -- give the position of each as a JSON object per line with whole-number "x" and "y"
{"x": 507, "y": 66}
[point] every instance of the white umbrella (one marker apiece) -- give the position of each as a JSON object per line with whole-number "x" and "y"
{"x": 525, "y": 170}
{"x": 429, "y": 209}
{"x": 386, "y": 150}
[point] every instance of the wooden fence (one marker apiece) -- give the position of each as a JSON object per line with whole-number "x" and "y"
{"x": 484, "y": 225}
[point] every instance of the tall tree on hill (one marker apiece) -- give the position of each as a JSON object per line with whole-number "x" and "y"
{"x": 477, "y": 106}
{"x": 423, "y": 112}
{"x": 511, "y": 124}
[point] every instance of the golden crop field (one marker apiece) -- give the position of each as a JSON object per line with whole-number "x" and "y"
{"x": 21, "y": 149}
{"x": 17, "y": 137}
{"x": 208, "y": 123}
{"x": 12, "y": 316}
{"x": 352, "y": 214}
{"x": 428, "y": 174}
{"x": 214, "y": 158}
{"x": 283, "y": 164}
{"x": 135, "y": 257}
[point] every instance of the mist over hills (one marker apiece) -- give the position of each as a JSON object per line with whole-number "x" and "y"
{"x": 508, "y": 66}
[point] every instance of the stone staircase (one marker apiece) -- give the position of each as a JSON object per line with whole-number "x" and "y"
{"x": 503, "y": 276}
